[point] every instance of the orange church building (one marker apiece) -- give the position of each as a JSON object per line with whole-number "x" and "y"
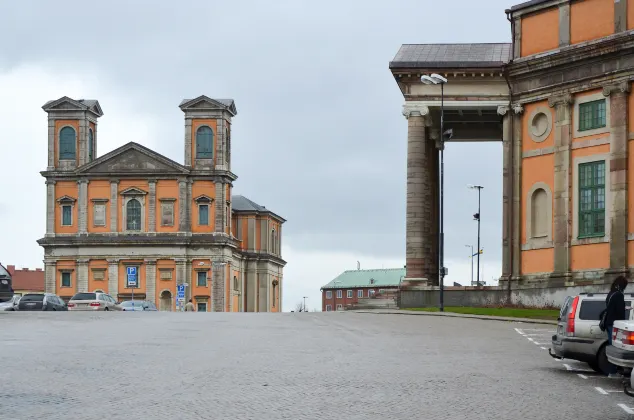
{"x": 134, "y": 221}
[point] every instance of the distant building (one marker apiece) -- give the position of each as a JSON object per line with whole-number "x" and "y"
{"x": 352, "y": 285}
{"x": 26, "y": 280}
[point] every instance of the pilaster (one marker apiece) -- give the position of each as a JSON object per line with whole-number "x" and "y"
{"x": 51, "y": 145}
{"x": 220, "y": 161}
{"x": 561, "y": 194}
{"x": 188, "y": 279}
{"x": 188, "y": 205}
{"x": 113, "y": 278}
{"x": 49, "y": 276}
{"x": 250, "y": 287}
{"x": 83, "y": 149}
{"x": 182, "y": 205}
{"x": 181, "y": 277}
{"x": 618, "y": 206}
{"x": 218, "y": 276}
{"x": 620, "y": 16}
{"x": 220, "y": 207}
{"x": 150, "y": 280}
{"x": 114, "y": 210}
{"x": 50, "y": 208}
{"x": 507, "y": 189}
{"x": 82, "y": 275}
{"x": 564, "y": 25}
{"x": 516, "y": 222}
{"x": 188, "y": 142}
{"x": 152, "y": 206}
{"x": 83, "y": 206}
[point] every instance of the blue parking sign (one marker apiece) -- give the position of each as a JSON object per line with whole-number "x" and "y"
{"x": 132, "y": 278}
{"x": 180, "y": 291}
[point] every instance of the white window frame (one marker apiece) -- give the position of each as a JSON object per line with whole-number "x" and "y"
{"x": 339, "y": 294}
{"x": 63, "y": 271}
{"x": 201, "y": 303}
{"x": 66, "y": 201}
{"x": 328, "y": 294}
{"x": 206, "y": 277}
{"x": 360, "y": 293}
{"x": 349, "y": 294}
{"x": 132, "y": 194}
{"x": 99, "y": 202}
{"x": 203, "y": 200}
{"x": 575, "y": 200}
{"x": 575, "y": 115}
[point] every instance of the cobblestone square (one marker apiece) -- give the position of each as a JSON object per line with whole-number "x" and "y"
{"x": 287, "y": 366}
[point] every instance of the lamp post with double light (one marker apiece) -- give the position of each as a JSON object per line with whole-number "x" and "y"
{"x": 477, "y": 217}
{"x": 436, "y": 79}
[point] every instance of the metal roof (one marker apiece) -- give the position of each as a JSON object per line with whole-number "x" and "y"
{"x": 385, "y": 277}
{"x": 527, "y": 4}
{"x": 452, "y": 56}
{"x": 241, "y": 203}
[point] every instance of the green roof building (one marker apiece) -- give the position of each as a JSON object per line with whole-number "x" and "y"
{"x": 358, "y": 284}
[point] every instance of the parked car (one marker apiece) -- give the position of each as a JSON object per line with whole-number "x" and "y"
{"x": 6, "y": 289}
{"x": 10, "y": 305}
{"x": 137, "y": 305}
{"x": 578, "y": 334}
{"x": 95, "y": 301}
{"x": 621, "y": 352}
{"x": 41, "y": 302}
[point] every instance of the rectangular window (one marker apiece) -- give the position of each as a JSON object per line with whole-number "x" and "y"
{"x": 360, "y": 293}
{"x": 167, "y": 214}
{"x": 238, "y": 228}
{"x": 65, "y": 279}
{"x": 349, "y": 294}
{"x": 339, "y": 294}
{"x": 201, "y": 307}
{"x": 370, "y": 292}
{"x": 67, "y": 215}
{"x": 592, "y": 115}
{"x": 202, "y": 278}
{"x": 328, "y": 308}
{"x": 592, "y": 199}
{"x": 329, "y": 294}
{"x": 99, "y": 215}
{"x": 203, "y": 214}
{"x": 339, "y": 307}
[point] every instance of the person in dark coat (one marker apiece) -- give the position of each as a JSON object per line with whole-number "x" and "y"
{"x": 615, "y": 311}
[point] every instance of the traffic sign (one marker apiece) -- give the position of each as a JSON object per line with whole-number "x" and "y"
{"x": 132, "y": 276}
{"x": 180, "y": 291}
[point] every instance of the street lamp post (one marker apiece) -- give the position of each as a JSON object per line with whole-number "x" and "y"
{"x": 436, "y": 79}
{"x": 472, "y": 255}
{"x": 305, "y": 303}
{"x": 477, "y": 217}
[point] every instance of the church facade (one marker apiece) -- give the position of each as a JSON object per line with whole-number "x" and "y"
{"x": 558, "y": 97}
{"x": 132, "y": 221}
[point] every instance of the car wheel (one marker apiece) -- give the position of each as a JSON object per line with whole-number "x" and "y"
{"x": 106, "y": 309}
{"x": 602, "y": 362}
{"x": 595, "y": 366}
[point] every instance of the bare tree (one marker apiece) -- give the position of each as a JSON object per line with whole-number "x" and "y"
{"x": 299, "y": 307}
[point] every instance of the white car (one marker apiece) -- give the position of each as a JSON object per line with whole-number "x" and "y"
{"x": 621, "y": 352}
{"x": 95, "y": 301}
{"x": 10, "y": 305}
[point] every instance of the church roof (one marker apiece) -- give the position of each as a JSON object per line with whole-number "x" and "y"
{"x": 240, "y": 203}
{"x": 452, "y": 56}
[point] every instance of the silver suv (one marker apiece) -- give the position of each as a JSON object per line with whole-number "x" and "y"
{"x": 95, "y": 301}
{"x": 578, "y": 334}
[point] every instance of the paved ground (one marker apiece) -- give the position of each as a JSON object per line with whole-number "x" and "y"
{"x": 290, "y": 366}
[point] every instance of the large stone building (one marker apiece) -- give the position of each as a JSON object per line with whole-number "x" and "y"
{"x": 558, "y": 97}
{"x": 134, "y": 221}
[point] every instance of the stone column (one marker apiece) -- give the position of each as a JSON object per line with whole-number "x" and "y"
{"x": 250, "y": 286}
{"x": 507, "y": 190}
{"x": 620, "y": 16}
{"x": 82, "y": 275}
{"x": 188, "y": 279}
{"x": 181, "y": 273}
{"x": 50, "y": 208}
{"x": 114, "y": 210}
{"x": 150, "y": 280}
{"x": 188, "y": 205}
{"x": 421, "y": 256}
{"x": 82, "y": 210}
{"x": 51, "y": 144}
{"x": 113, "y": 278}
{"x": 618, "y": 207}
{"x": 49, "y": 276}
{"x": 218, "y": 286}
{"x": 188, "y": 142}
{"x": 516, "y": 227}
{"x": 82, "y": 136}
{"x": 182, "y": 205}
{"x": 152, "y": 206}
{"x": 564, "y": 24}
{"x": 561, "y": 194}
{"x": 221, "y": 203}
{"x": 220, "y": 163}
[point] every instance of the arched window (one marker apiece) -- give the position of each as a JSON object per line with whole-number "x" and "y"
{"x": 67, "y": 140}
{"x": 133, "y": 215}
{"x": 204, "y": 143}
{"x": 539, "y": 213}
{"x": 90, "y": 145}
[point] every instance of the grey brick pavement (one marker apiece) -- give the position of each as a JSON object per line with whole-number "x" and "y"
{"x": 282, "y": 366}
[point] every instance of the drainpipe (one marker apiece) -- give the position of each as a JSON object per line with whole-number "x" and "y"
{"x": 509, "y": 17}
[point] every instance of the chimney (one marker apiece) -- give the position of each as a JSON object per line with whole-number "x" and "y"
{"x": 38, "y": 269}
{"x": 11, "y": 269}
{"x": 25, "y": 269}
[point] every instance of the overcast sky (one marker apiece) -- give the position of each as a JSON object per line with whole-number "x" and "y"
{"x": 319, "y": 137}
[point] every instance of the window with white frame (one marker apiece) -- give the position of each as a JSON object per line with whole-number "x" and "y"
{"x": 133, "y": 209}
{"x": 329, "y": 294}
{"x": 202, "y": 279}
{"x": 371, "y": 292}
{"x": 65, "y": 278}
{"x": 204, "y": 206}
{"x": 349, "y": 294}
{"x": 360, "y": 293}
{"x": 339, "y": 294}
{"x": 201, "y": 306}
{"x": 67, "y": 205}
{"x": 340, "y": 307}
{"x": 328, "y": 308}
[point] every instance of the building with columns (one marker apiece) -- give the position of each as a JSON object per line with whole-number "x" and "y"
{"x": 169, "y": 223}
{"x": 558, "y": 98}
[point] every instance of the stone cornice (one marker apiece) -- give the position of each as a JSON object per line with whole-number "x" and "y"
{"x": 256, "y": 256}
{"x": 160, "y": 239}
{"x": 555, "y": 100}
{"x": 622, "y": 87}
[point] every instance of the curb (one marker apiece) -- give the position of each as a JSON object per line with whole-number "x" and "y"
{"x": 456, "y": 315}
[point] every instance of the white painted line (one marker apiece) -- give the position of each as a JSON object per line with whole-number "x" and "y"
{"x": 530, "y": 339}
{"x": 601, "y": 390}
{"x": 519, "y": 331}
{"x": 582, "y": 376}
{"x": 627, "y": 409}
{"x": 544, "y": 348}
{"x": 567, "y": 366}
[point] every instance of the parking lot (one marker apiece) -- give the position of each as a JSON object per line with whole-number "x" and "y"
{"x": 291, "y": 366}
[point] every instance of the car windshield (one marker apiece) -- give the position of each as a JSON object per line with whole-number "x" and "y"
{"x": 130, "y": 303}
{"x": 85, "y": 296}
{"x": 32, "y": 298}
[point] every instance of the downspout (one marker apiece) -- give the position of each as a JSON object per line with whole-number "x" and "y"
{"x": 512, "y": 215}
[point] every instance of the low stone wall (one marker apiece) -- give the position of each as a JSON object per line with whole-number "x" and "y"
{"x": 547, "y": 297}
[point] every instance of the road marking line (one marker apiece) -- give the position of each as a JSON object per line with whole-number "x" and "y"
{"x": 567, "y": 366}
{"x": 601, "y": 390}
{"x": 582, "y": 376}
{"x": 519, "y": 331}
{"x": 627, "y": 409}
{"x": 530, "y": 339}
{"x": 544, "y": 348}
